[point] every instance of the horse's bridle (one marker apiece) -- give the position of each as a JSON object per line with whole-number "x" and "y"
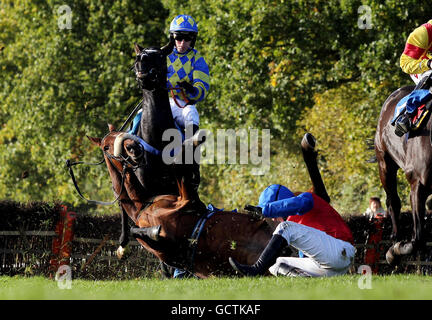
{"x": 155, "y": 79}
{"x": 137, "y": 69}
{"x": 125, "y": 165}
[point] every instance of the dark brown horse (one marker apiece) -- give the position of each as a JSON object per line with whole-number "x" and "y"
{"x": 167, "y": 222}
{"x": 170, "y": 227}
{"x": 413, "y": 154}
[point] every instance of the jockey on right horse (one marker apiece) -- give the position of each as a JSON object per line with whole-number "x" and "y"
{"x": 416, "y": 60}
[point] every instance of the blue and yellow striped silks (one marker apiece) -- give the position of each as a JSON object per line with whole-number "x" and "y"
{"x": 190, "y": 67}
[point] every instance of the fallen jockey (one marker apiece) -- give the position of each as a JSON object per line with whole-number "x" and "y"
{"x": 312, "y": 226}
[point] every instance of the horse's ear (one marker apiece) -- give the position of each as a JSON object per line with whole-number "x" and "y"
{"x": 167, "y": 49}
{"x": 183, "y": 191}
{"x": 96, "y": 141}
{"x": 138, "y": 48}
{"x": 111, "y": 127}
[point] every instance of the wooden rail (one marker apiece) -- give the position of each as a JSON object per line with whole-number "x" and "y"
{"x": 87, "y": 257}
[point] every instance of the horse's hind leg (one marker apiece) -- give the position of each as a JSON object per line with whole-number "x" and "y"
{"x": 388, "y": 175}
{"x": 418, "y": 195}
{"x": 310, "y": 158}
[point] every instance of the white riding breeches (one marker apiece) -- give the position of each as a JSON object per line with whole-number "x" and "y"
{"x": 325, "y": 255}
{"x": 184, "y": 116}
{"x": 417, "y": 77}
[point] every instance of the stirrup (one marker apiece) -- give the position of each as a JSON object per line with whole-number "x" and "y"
{"x": 402, "y": 126}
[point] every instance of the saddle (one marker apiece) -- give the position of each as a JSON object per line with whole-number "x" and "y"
{"x": 415, "y": 105}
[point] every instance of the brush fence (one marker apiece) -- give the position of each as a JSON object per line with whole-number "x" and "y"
{"x": 39, "y": 239}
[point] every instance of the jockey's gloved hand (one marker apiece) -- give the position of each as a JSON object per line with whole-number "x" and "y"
{"x": 188, "y": 87}
{"x": 253, "y": 209}
{"x": 191, "y": 102}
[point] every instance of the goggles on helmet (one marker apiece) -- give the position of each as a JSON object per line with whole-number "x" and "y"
{"x": 186, "y": 36}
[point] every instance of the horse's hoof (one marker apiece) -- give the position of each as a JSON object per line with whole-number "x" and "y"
{"x": 308, "y": 142}
{"x": 391, "y": 258}
{"x": 407, "y": 248}
{"x": 123, "y": 252}
{"x": 403, "y": 248}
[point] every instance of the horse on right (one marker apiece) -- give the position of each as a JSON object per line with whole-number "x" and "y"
{"x": 412, "y": 153}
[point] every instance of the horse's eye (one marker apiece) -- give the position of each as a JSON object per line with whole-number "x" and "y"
{"x": 106, "y": 148}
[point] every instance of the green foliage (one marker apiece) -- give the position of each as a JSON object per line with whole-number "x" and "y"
{"x": 338, "y": 118}
{"x": 61, "y": 84}
{"x": 289, "y": 66}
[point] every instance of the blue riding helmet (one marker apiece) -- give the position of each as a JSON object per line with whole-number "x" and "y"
{"x": 184, "y": 23}
{"x": 274, "y": 192}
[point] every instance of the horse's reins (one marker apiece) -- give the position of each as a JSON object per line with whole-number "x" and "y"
{"x": 171, "y": 90}
{"x": 70, "y": 164}
{"x": 185, "y": 99}
{"x": 125, "y": 163}
{"x": 131, "y": 115}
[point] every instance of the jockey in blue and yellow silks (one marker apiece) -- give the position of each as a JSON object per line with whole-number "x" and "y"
{"x": 187, "y": 71}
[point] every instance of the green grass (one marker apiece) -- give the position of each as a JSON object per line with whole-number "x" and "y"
{"x": 343, "y": 287}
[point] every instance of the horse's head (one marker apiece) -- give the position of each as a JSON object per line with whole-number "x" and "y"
{"x": 121, "y": 148}
{"x": 150, "y": 66}
{"x": 125, "y": 151}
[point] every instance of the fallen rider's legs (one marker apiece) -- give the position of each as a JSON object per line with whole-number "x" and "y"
{"x": 325, "y": 255}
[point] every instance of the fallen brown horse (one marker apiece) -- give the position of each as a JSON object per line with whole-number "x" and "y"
{"x": 170, "y": 227}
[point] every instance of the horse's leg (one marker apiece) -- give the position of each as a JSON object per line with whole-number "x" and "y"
{"x": 310, "y": 158}
{"x": 124, "y": 236}
{"x": 123, "y": 250}
{"x": 388, "y": 176}
{"x": 418, "y": 195}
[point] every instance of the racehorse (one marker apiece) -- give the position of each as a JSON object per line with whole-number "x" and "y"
{"x": 170, "y": 227}
{"x": 413, "y": 154}
{"x": 150, "y": 70}
{"x": 154, "y": 174}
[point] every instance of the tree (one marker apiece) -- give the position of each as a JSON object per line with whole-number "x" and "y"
{"x": 60, "y": 84}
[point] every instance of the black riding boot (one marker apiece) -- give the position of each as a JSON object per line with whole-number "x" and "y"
{"x": 193, "y": 179}
{"x": 266, "y": 260}
{"x": 145, "y": 233}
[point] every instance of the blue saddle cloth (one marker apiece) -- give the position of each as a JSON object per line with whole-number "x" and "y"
{"x": 411, "y": 102}
{"x": 147, "y": 147}
{"x": 137, "y": 120}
